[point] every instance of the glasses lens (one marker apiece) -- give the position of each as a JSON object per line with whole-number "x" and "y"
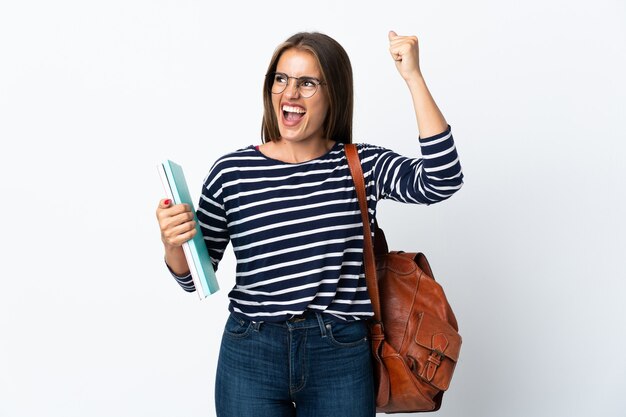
{"x": 308, "y": 87}
{"x": 280, "y": 82}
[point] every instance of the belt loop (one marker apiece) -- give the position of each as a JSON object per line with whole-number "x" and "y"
{"x": 320, "y": 321}
{"x": 256, "y": 325}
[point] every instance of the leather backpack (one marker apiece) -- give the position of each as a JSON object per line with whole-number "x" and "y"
{"x": 414, "y": 334}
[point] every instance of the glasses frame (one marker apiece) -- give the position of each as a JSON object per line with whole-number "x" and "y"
{"x": 272, "y": 78}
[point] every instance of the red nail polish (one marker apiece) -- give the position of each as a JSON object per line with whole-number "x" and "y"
{"x": 167, "y": 202}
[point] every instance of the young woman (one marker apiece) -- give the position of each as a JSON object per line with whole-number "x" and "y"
{"x": 296, "y": 343}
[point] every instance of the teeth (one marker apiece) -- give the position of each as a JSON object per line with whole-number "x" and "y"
{"x": 291, "y": 109}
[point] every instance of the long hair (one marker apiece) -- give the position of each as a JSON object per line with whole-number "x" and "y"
{"x": 336, "y": 70}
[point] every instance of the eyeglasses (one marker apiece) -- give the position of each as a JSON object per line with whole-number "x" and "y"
{"x": 307, "y": 86}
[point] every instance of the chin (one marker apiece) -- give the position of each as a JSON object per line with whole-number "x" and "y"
{"x": 297, "y": 137}
{"x": 294, "y": 136}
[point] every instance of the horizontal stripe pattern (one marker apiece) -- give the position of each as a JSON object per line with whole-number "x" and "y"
{"x": 296, "y": 229}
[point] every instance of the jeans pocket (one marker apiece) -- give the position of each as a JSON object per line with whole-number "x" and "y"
{"x": 347, "y": 334}
{"x": 237, "y": 328}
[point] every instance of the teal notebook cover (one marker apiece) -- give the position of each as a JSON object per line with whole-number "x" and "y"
{"x": 200, "y": 254}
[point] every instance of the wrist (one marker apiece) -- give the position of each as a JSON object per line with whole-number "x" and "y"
{"x": 416, "y": 82}
{"x": 176, "y": 261}
{"x": 171, "y": 249}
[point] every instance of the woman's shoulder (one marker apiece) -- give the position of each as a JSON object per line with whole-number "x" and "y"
{"x": 246, "y": 151}
{"x": 236, "y": 157}
{"x": 365, "y": 148}
{"x": 231, "y": 161}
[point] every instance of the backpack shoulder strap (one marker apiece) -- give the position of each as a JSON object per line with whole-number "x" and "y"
{"x": 354, "y": 163}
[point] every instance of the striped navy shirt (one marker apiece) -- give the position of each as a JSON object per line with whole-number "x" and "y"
{"x": 296, "y": 228}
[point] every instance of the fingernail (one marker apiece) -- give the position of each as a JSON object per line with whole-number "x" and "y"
{"x": 167, "y": 202}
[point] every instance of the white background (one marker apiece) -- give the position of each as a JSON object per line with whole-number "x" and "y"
{"x": 93, "y": 94}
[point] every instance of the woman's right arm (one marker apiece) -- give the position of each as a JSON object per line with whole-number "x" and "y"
{"x": 177, "y": 226}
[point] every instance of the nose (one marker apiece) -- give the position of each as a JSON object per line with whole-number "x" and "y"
{"x": 292, "y": 89}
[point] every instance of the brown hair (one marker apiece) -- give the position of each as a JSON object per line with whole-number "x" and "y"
{"x": 337, "y": 75}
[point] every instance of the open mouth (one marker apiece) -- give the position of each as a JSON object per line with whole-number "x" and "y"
{"x": 293, "y": 113}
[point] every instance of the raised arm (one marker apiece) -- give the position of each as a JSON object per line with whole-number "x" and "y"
{"x": 405, "y": 52}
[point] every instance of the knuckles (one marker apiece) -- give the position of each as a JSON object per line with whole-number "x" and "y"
{"x": 177, "y": 216}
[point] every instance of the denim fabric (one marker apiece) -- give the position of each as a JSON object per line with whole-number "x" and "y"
{"x": 308, "y": 366}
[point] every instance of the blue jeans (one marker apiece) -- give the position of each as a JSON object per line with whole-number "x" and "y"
{"x": 309, "y": 366}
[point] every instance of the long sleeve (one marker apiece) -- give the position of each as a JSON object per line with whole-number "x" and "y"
{"x": 212, "y": 216}
{"x": 185, "y": 281}
{"x": 427, "y": 180}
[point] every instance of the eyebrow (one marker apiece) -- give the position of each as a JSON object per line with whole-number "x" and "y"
{"x": 302, "y": 76}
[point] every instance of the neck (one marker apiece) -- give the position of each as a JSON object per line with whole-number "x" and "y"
{"x": 296, "y": 152}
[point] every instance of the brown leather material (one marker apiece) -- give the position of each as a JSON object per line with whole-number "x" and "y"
{"x": 414, "y": 333}
{"x": 354, "y": 163}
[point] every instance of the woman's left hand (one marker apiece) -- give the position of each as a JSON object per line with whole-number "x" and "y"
{"x": 405, "y": 51}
